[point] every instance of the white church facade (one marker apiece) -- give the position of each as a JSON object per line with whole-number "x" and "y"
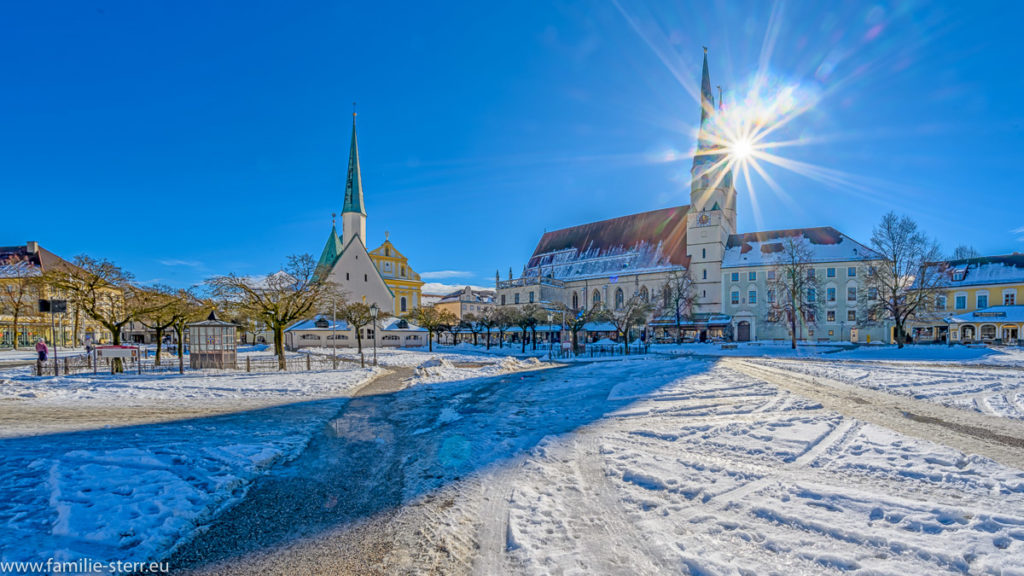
{"x": 605, "y": 263}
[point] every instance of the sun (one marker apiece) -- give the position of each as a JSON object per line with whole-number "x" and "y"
{"x": 741, "y": 150}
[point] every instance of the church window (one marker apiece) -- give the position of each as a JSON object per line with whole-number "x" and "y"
{"x": 366, "y": 277}
{"x": 705, "y": 274}
{"x": 619, "y": 299}
{"x": 735, "y": 297}
{"x": 752, "y": 276}
{"x": 597, "y": 297}
{"x": 403, "y": 304}
{"x": 403, "y": 271}
{"x": 703, "y": 293}
{"x": 387, "y": 251}
{"x": 531, "y": 296}
{"x": 703, "y": 252}
{"x": 346, "y": 276}
{"x": 575, "y": 300}
{"x": 516, "y": 297}
{"x": 502, "y": 299}
{"x": 831, "y": 273}
{"x": 752, "y": 297}
{"x": 735, "y": 276}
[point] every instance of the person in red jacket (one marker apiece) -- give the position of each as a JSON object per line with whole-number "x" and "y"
{"x": 42, "y": 350}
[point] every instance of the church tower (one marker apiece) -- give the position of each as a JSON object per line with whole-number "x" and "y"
{"x": 712, "y": 215}
{"x": 353, "y": 213}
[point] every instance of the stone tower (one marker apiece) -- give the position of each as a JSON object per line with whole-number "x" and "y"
{"x": 712, "y": 215}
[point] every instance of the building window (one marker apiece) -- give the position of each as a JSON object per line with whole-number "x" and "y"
{"x": 575, "y": 301}
{"x": 516, "y": 297}
{"x": 735, "y": 297}
{"x": 597, "y": 297}
{"x": 771, "y": 274}
{"x": 703, "y": 252}
{"x": 502, "y": 299}
{"x": 940, "y": 302}
{"x": 851, "y": 271}
{"x": 705, "y": 274}
{"x": 851, "y": 315}
{"x": 872, "y": 293}
{"x": 346, "y": 276}
{"x": 735, "y": 276}
{"x": 619, "y": 299}
{"x": 812, "y": 295}
{"x": 961, "y": 301}
{"x": 752, "y": 297}
{"x": 958, "y": 275}
{"x": 830, "y": 272}
{"x": 644, "y": 295}
{"x": 988, "y": 332}
{"x": 403, "y": 304}
{"x": 366, "y": 277}
{"x": 851, "y": 293}
{"x": 983, "y": 300}
{"x": 1009, "y": 298}
{"x": 830, "y": 294}
{"x": 770, "y": 296}
{"x": 403, "y": 271}
{"x": 752, "y": 276}
{"x": 810, "y": 272}
{"x": 830, "y": 316}
{"x": 531, "y": 295}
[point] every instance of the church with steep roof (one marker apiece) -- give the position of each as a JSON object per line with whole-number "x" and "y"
{"x": 608, "y": 262}
{"x": 382, "y": 276}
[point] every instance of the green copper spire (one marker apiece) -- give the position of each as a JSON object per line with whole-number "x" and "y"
{"x": 707, "y": 99}
{"x": 331, "y": 251}
{"x": 354, "y": 183}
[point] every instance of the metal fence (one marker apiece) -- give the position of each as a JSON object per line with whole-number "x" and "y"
{"x": 603, "y": 351}
{"x": 82, "y": 364}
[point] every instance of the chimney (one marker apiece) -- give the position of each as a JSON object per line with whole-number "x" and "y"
{"x": 32, "y": 247}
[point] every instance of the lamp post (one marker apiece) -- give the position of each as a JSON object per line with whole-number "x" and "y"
{"x": 374, "y": 310}
{"x": 334, "y": 332}
{"x": 551, "y": 345}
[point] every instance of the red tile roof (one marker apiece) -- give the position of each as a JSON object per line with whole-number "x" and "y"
{"x": 666, "y": 226}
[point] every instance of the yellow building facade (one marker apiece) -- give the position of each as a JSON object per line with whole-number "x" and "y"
{"x": 403, "y": 281}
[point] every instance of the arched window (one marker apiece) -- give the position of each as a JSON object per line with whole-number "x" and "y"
{"x": 575, "y": 300}
{"x": 387, "y": 251}
{"x": 597, "y": 297}
{"x": 403, "y": 304}
{"x": 620, "y": 299}
{"x": 667, "y": 294}
{"x": 644, "y": 295}
{"x": 705, "y": 274}
{"x": 988, "y": 332}
{"x": 502, "y": 299}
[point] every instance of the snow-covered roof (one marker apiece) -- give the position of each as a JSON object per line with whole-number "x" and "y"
{"x": 320, "y": 323}
{"x": 826, "y": 243}
{"x": 638, "y": 243}
{"x": 1005, "y": 269}
{"x": 399, "y": 325}
{"x": 1013, "y": 314}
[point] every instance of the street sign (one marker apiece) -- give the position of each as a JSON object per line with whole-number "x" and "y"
{"x": 53, "y": 306}
{"x": 127, "y": 352}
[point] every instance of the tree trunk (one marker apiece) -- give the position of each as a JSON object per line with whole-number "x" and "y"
{"x": 524, "y": 342}
{"x": 159, "y": 344}
{"x": 679, "y": 327}
{"x": 359, "y": 339}
{"x": 792, "y": 330}
{"x": 430, "y": 340}
{"x": 14, "y": 325}
{"x": 282, "y": 364}
{"x": 899, "y": 334}
{"x": 74, "y": 332}
{"x": 179, "y": 330}
{"x": 575, "y": 342}
{"x": 488, "y": 338}
{"x": 533, "y": 338}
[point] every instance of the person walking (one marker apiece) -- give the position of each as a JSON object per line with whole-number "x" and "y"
{"x": 42, "y": 350}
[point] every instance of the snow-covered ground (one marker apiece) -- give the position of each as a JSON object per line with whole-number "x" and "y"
{"x": 995, "y": 390}
{"x": 411, "y": 357}
{"x": 765, "y": 348}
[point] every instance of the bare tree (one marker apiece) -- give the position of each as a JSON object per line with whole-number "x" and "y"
{"x": 793, "y": 286}
{"x": 577, "y": 319}
{"x": 965, "y": 252}
{"x": 187, "y": 307}
{"x": 504, "y": 318}
{"x": 434, "y": 320}
{"x": 103, "y": 291}
{"x": 159, "y": 312}
{"x": 908, "y": 277}
{"x": 472, "y": 322}
{"x": 278, "y": 299}
{"x": 678, "y": 298}
{"x": 357, "y": 315}
{"x": 633, "y": 312}
{"x": 486, "y": 320}
{"x": 530, "y": 316}
{"x": 19, "y": 290}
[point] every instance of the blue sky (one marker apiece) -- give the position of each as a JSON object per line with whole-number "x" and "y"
{"x": 183, "y": 140}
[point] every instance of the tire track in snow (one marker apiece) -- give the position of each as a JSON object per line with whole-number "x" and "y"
{"x": 993, "y": 437}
